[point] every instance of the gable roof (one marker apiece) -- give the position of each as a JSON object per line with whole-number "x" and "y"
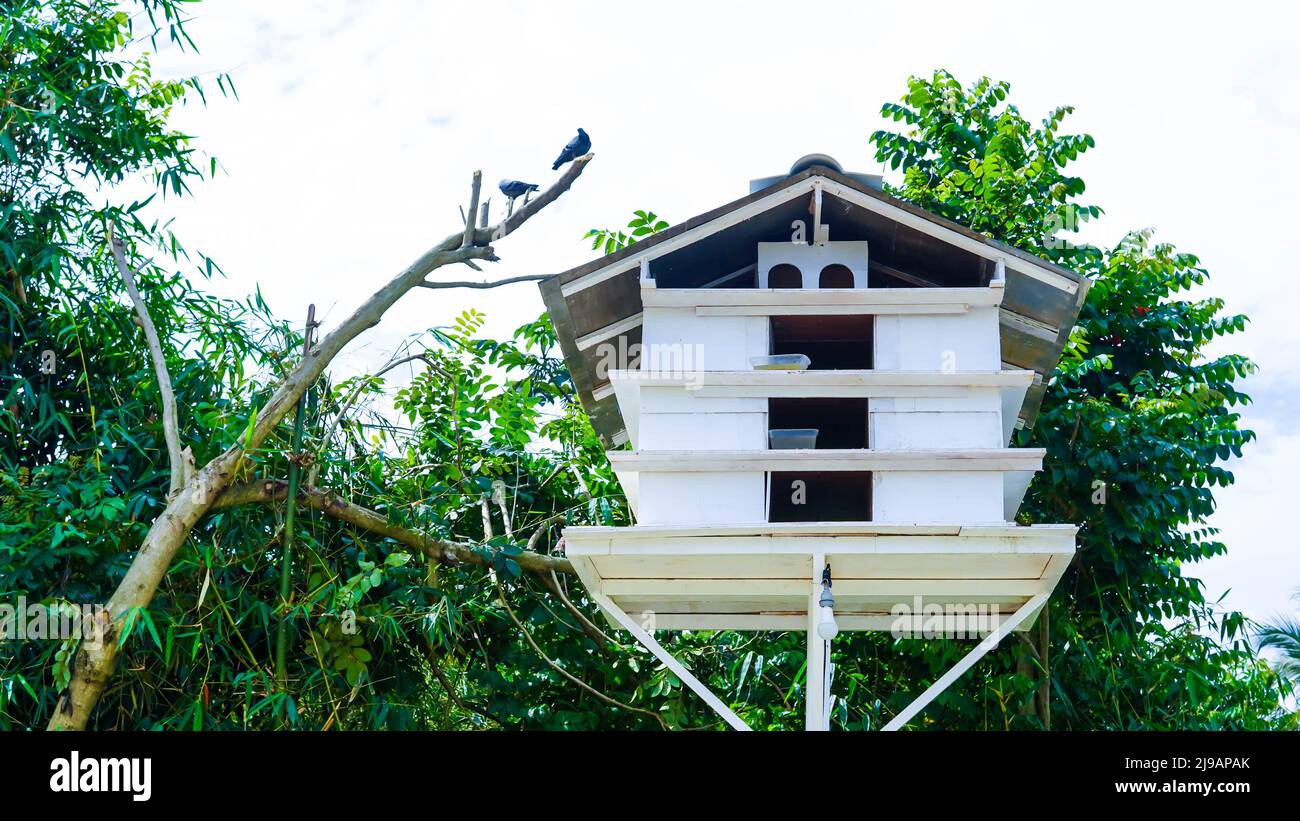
{"x": 601, "y": 299}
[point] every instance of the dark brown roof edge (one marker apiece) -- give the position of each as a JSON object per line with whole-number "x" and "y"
{"x": 565, "y": 277}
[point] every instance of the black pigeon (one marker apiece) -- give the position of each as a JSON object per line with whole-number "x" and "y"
{"x": 515, "y": 189}
{"x": 578, "y": 146}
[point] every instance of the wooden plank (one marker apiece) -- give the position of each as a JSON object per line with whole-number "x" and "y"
{"x": 847, "y": 589}
{"x": 671, "y": 461}
{"x": 702, "y": 566}
{"x": 880, "y": 269}
{"x": 990, "y": 567}
{"x": 714, "y": 283}
{"x": 791, "y": 297}
{"x": 1025, "y": 350}
{"x": 1032, "y": 299}
{"x": 706, "y": 385}
{"x": 833, "y": 310}
{"x": 657, "y": 605}
{"x": 622, "y": 326}
{"x": 616, "y": 298}
{"x": 1033, "y": 401}
{"x": 1027, "y": 325}
{"x": 760, "y": 548}
{"x": 790, "y": 621}
{"x": 777, "y": 390}
{"x": 839, "y": 529}
{"x": 793, "y": 605}
{"x": 763, "y": 529}
{"x": 806, "y": 380}
{"x": 741, "y": 541}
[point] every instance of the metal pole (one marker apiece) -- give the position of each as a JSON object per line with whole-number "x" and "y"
{"x": 291, "y": 504}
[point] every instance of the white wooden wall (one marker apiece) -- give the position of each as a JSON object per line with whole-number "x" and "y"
{"x": 967, "y": 341}
{"x": 934, "y": 497}
{"x": 704, "y": 431}
{"x": 971, "y": 421}
{"x": 726, "y": 342}
{"x": 702, "y": 498}
{"x": 676, "y": 418}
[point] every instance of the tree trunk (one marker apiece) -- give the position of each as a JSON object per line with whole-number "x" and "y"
{"x": 96, "y": 659}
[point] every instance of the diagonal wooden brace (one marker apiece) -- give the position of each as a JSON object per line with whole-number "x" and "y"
{"x": 648, "y": 641}
{"x": 982, "y": 649}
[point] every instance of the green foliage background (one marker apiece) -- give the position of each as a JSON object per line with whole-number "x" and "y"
{"x": 486, "y": 447}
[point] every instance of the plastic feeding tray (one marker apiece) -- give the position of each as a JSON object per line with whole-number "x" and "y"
{"x": 781, "y": 362}
{"x": 792, "y": 438}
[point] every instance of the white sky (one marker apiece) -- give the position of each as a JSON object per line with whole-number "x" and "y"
{"x": 359, "y": 124}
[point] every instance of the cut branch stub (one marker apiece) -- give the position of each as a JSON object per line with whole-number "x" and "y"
{"x": 471, "y": 215}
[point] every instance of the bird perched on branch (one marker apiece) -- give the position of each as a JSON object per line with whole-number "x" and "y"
{"x": 578, "y": 146}
{"x": 514, "y": 189}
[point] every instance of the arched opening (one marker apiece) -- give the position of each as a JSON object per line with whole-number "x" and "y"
{"x": 835, "y": 276}
{"x": 784, "y": 275}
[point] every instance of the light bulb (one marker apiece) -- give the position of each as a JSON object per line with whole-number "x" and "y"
{"x": 826, "y": 626}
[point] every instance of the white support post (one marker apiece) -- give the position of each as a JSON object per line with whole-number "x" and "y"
{"x": 946, "y": 680}
{"x": 648, "y": 641}
{"x": 821, "y": 233}
{"x": 815, "y": 669}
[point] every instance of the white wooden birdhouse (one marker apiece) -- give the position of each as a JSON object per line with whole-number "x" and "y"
{"x": 816, "y": 433}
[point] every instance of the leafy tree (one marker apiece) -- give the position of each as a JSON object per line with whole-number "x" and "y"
{"x": 1136, "y": 407}
{"x": 92, "y": 506}
{"x": 80, "y": 426}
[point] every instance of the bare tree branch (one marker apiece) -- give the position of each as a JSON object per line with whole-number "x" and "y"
{"x": 488, "y": 535}
{"x": 497, "y": 284}
{"x": 603, "y": 641}
{"x": 550, "y": 195}
{"x": 171, "y": 427}
{"x": 499, "y": 498}
{"x": 331, "y": 504}
{"x": 96, "y": 660}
